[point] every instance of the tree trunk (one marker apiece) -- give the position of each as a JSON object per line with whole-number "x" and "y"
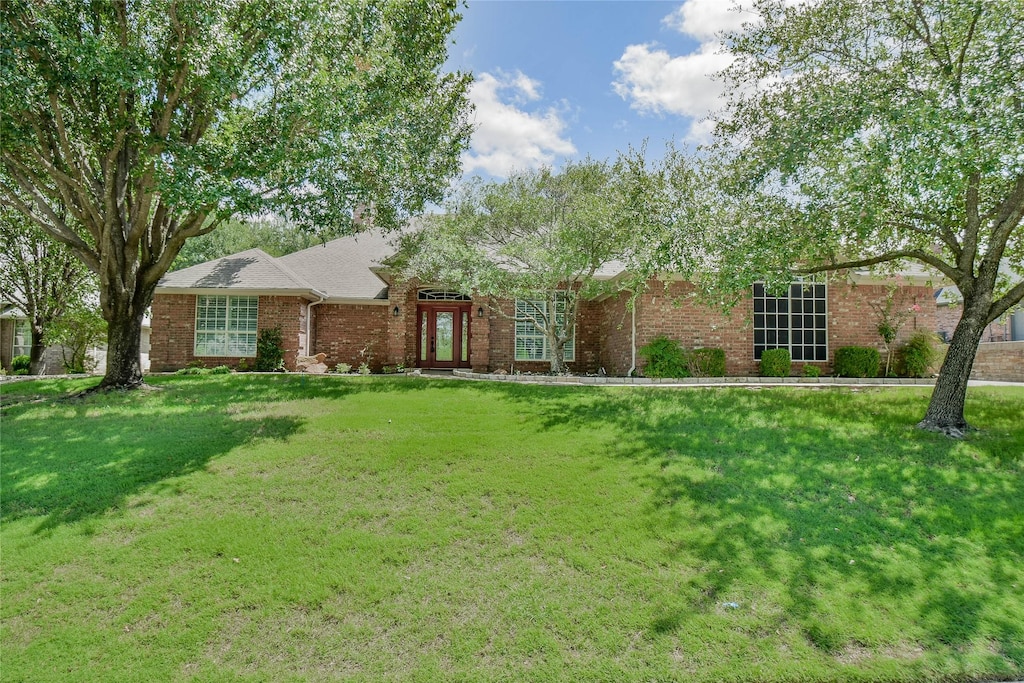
{"x": 36, "y": 366}
{"x": 946, "y": 409}
{"x": 124, "y": 364}
{"x": 557, "y": 358}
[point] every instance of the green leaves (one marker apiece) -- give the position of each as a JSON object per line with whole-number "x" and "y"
{"x": 151, "y": 122}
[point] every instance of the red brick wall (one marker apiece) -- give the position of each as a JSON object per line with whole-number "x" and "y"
{"x": 677, "y": 312}
{"x": 1000, "y": 361}
{"x": 996, "y": 331}
{"x": 370, "y": 333}
{"x": 174, "y": 323}
{"x": 6, "y": 342}
{"x": 173, "y": 331}
{"x": 616, "y": 334}
{"x": 352, "y": 334}
{"x": 502, "y": 339}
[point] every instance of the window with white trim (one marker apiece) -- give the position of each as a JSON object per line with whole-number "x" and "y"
{"x": 226, "y": 325}
{"x": 796, "y": 320}
{"x": 531, "y": 342}
{"x": 22, "y": 337}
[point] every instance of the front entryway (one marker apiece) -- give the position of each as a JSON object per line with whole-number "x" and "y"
{"x": 444, "y": 335}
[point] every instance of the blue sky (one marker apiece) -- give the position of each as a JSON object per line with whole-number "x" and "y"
{"x": 570, "y": 78}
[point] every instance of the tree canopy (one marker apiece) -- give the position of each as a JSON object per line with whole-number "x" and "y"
{"x": 872, "y": 134}
{"x": 540, "y": 236}
{"x": 274, "y": 236}
{"x": 129, "y": 127}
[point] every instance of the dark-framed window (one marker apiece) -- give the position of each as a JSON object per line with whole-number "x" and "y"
{"x": 796, "y": 319}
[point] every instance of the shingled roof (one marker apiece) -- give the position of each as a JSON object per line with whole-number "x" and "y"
{"x": 337, "y": 270}
{"x": 341, "y": 268}
{"x": 251, "y": 270}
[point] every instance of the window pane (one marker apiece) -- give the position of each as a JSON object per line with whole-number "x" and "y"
{"x": 423, "y": 336}
{"x": 800, "y": 324}
{"x": 22, "y": 337}
{"x": 465, "y": 337}
{"x": 444, "y": 324}
{"x": 226, "y": 325}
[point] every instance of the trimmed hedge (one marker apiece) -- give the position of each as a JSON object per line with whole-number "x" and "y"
{"x": 775, "y": 363}
{"x": 857, "y": 361}
{"x": 706, "y": 362}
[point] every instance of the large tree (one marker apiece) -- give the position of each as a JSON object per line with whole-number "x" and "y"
{"x": 538, "y": 238}
{"x": 153, "y": 121}
{"x": 40, "y": 276}
{"x": 271, "y": 234}
{"x": 870, "y": 133}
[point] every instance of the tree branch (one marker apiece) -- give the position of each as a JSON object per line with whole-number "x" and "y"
{"x": 949, "y": 271}
{"x": 1006, "y": 302}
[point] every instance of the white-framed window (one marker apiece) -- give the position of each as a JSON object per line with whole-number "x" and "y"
{"x": 226, "y": 325}
{"x": 796, "y": 320}
{"x": 22, "y": 337}
{"x": 531, "y": 343}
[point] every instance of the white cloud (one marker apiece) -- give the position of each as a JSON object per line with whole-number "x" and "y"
{"x": 704, "y": 19}
{"x": 655, "y": 82}
{"x": 508, "y": 137}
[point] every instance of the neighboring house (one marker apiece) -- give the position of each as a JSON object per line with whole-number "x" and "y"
{"x": 16, "y": 340}
{"x": 1008, "y": 328}
{"x": 338, "y": 299}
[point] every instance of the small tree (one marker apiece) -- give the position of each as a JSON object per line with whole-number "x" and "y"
{"x": 76, "y": 332}
{"x": 538, "y": 238}
{"x": 39, "y": 275}
{"x": 891, "y": 319}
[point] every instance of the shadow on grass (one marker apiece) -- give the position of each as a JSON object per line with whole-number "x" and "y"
{"x": 68, "y": 458}
{"x": 833, "y": 495}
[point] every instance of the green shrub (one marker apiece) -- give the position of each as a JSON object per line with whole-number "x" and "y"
{"x": 343, "y": 368}
{"x": 270, "y": 350}
{"x": 195, "y": 365}
{"x": 243, "y": 365}
{"x": 706, "y": 362}
{"x": 812, "y": 371}
{"x": 364, "y": 368}
{"x": 192, "y": 370}
{"x": 916, "y": 357}
{"x": 221, "y": 370}
{"x": 857, "y": 361}
{"x": 775, "y": 363}
{"x": 664, "y": 358}
{"x": 20, "y": 365}
{"x": 75, "y": 332}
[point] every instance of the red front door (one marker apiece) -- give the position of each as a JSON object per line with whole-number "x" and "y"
{"x": 443, "y": 336}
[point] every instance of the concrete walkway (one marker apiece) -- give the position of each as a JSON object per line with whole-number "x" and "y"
{"x": 713, "y": 381}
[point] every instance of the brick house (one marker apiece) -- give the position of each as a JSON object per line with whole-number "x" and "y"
{"x": 338, "y": 299}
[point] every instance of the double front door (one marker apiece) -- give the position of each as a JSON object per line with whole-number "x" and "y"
{"x": 443, "y": 335}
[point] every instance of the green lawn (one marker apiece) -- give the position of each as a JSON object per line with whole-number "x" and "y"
{"x": 289, "y": 528}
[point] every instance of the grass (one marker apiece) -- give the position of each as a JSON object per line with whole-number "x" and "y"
{"x": 285, "y": 528}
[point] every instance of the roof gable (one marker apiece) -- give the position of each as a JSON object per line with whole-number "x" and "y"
{"x": 252, "y": 269}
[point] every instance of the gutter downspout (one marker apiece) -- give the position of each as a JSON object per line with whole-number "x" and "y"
{"x": 632, "y": 344}
{"x": 309, "y": 323}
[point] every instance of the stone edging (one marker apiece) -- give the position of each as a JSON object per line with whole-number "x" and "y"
{"x": 694, "y": 381}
